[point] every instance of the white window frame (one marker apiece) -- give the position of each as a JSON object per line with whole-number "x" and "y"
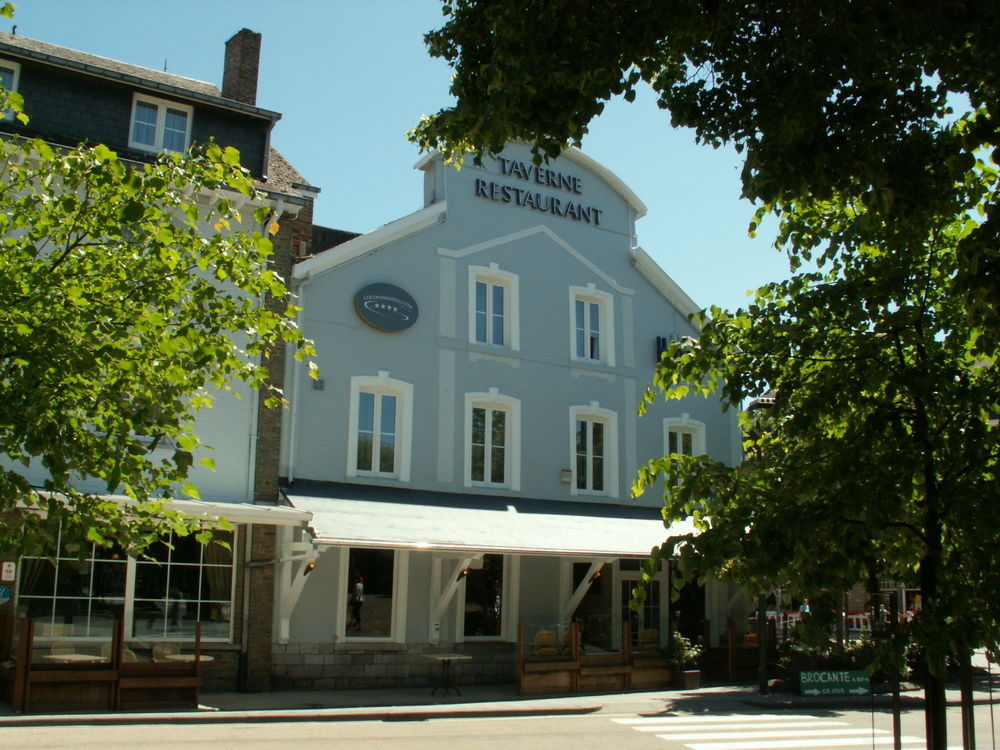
{"x": 492, "y": 276}
{"x": 661, "y": 580}
{"x": 508, "y": 611}
{"x": 685, "y": 425}
{"x": 382, "y": 384}
{"x": 594, "y": 413}
{"x": 400, "y": 584}
{"x": 492, "y": 399}
{"x": 591, "y": 295}
{"x": 15, "y": 83}
{"x": 162, "y": 105}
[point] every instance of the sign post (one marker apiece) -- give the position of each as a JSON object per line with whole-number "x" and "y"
{"x": 834, "y": 682}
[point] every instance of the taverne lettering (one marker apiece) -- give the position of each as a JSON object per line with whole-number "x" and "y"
{"x": 549, "y": 204}
{"x": 540, "y": 175}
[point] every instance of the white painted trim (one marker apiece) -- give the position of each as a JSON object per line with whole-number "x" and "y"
{"x": 492, "y": 275}
{"x": 382, "y": 385}
{"x": 684, "y": 423}
{"x": 665, "y": 285}
{"x": 327, "y": 260}
{"x": 594, "y": 413}
{"x": 512, "y": 459}
{"x": 162, "y": 105}
{"x": 529, "y": 232}
{"x": 400, "y": 582}
{"x": 573, "y": 601}
{"x": 606, "y": 303}
{"x": 445, "y": 595}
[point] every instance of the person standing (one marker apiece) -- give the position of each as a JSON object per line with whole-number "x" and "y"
{"x": 356, "y": 601}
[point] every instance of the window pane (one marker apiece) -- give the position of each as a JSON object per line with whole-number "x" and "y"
{"x": 366, "y": 412}
{"x": 387, "y": 436}
{"x": 481, "y": 315}
{"x": 581, "y": 472}
{"x": 497, "y": 473}
{"x": 671, "y": 442}
{"x": 498, "y": 313}
{"x": 388, "y": 417}
{"x": 478, "y": 463}
{"x": 498, "y": 432}
{"x": 369, "y": 605}
{"x": 175, "y": 130}
{"x": 484, "y": 598}
{"x": 595, "y": 331}
{"x": 581, "y": 350}
{"x": 479, "y": 426}
{"x": 387, "y": 454}
{"x": 598, "y": 438}
{"x": 687, "y": 444}
{"x": 144, "y": 124}
{"x": 366, "y": 426}
{"x": 7, "y": 78}
{"x": 598, "y": 476}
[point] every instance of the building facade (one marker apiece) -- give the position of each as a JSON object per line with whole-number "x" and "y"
{"x": 469, "y": 452}
{"x": 73, "y": 97}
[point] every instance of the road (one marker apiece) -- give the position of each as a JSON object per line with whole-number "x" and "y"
{"x": 739, "y": 730}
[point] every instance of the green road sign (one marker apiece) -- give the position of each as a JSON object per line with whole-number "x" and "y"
{"x": 834, "y": 682}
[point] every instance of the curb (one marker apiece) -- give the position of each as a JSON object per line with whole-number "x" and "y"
{"x": 279, "y": 716}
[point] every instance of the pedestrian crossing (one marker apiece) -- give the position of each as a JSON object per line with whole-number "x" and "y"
{"x": 762, "y": 732}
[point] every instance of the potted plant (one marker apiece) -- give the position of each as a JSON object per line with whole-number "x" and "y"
{"x": 685, "y": 656}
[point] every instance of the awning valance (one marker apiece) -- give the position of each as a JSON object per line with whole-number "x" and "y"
{"x": 363, "y": 516}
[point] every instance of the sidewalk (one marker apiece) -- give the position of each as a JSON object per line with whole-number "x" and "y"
{"x": 416, "y": 704}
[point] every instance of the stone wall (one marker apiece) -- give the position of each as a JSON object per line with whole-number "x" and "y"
{"x": 330, "y": 666}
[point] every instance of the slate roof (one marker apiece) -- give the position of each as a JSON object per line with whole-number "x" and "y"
{"x": 125, "y": 72}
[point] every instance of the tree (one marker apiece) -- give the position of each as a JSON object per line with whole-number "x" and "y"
{"x": 879, "y": 458}
{"x": 127, "y": 293}
{"x": 880, "y": 455}
{"x": 824, "y": 98}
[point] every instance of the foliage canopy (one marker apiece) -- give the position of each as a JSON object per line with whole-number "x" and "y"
{"x": 129, "y": 293}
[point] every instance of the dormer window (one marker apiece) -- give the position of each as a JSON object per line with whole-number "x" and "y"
{"x": 159, "y": 125}
{"x": 9, "y": 73}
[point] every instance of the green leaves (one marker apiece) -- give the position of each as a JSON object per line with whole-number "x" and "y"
{"x": 115, "y": 322}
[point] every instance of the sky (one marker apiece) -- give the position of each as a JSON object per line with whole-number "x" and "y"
{"x": 352, "y": 77}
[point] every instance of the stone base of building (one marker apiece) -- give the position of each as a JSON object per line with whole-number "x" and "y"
{"x": 341, "y": 666}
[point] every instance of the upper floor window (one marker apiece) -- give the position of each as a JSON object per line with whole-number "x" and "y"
{"x": 381, "y": 410}
{"x": 493, "y": 303}
{"x": 10, "y": 72}
{"x": 159, "y": 125}
{"x": 493, "y": 436}
{"x": 684, "y": 436}
{"x": 595, "y": 452}
{"x": 592, "y": 325}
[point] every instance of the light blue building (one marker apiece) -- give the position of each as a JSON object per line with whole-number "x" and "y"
{"x": 468, "y": 453}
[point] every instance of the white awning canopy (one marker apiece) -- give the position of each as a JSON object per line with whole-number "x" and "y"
{"x": 353, "y": 515}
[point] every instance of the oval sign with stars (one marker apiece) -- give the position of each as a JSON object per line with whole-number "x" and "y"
{"x": 386, "y": 307}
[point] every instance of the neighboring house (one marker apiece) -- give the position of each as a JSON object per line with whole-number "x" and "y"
{"x": 73, "y": 97}
{"x": 468, "y": 454}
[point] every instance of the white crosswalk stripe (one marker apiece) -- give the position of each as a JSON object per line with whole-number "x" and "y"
{"x": 761, "y": 732}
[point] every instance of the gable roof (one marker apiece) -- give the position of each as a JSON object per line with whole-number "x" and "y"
{"x": 136, "y": 75}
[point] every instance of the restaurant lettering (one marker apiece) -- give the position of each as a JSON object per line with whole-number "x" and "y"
{"x": 535, "y": 200}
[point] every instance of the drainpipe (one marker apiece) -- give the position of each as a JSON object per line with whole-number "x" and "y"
{"x": 241, "y": 676}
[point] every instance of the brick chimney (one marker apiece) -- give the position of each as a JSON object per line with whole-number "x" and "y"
{"x": 239, "y": 74}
